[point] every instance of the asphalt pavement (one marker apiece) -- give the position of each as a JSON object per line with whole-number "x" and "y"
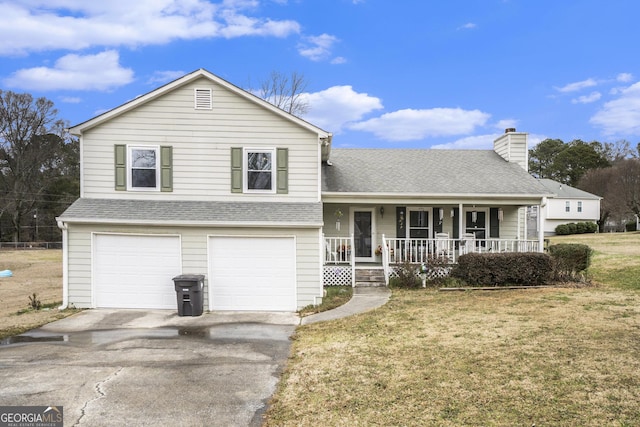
{"x": 152, "y": 367}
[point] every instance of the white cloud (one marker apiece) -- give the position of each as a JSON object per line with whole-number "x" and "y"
{"x": 624, "y": 77}
{"x": 482, "y": 142}
{"x": 620, "y": 116}
{"x": 506, "y": 124}
{"x": 39, "y": 25}
{"x": 468, "y": 26}
{"x": 318, "y": 48}
{"x": 101, "y": 72}
{"x": 162, "y": 77}
{"x": 576, "y": 86}
{"x": 410, "y": 124}
{"x": 339, "y": 60}
{"x": 333, "y": 108}
{"x": 587, "y": 99}
{"x": 71, "y": 99}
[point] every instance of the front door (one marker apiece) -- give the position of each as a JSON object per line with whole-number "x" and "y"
{"x": 363, "y": 234}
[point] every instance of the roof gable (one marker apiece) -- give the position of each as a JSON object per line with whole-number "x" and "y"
{"x": 141, "y": 100}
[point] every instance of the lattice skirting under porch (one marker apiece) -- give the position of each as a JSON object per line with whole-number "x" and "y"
{"x": 336, "y": 275}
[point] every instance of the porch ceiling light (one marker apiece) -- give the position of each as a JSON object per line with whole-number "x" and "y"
{"x": 381, "y": 211}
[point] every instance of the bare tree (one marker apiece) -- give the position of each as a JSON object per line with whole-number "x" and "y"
{"x": 285, "y": 92}
{"x": 619, "y": 185}
{"x": 30, "y": 141}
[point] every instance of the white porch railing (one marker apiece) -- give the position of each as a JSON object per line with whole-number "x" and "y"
{"x": 340, "y": 260}
{"x": 338, "y": 252}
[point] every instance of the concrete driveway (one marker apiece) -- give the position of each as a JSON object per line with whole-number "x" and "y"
{"x": 126, "y": 367}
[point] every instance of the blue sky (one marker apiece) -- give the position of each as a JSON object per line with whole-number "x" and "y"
{"x": 407, "y": 73}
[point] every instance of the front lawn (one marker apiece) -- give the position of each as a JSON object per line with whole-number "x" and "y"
{"x": 528, "y": 357}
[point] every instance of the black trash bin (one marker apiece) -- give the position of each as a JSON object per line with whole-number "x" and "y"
{"x": 189, "y": 294}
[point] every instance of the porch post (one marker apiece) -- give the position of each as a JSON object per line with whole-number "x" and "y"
{"x": 460, "y": 221}
{"x": 541, "y": 206}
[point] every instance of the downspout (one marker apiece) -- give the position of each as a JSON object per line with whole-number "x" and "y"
{"x": 65, "y": 265}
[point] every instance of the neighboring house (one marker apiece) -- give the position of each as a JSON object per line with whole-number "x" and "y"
{"x": 567, "y": 205}
{"x": 202, "y": 177}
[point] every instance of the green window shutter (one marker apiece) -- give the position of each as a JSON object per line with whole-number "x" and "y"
{"x": 494, "y": 223}
{"x": 166, "y": 168}
{"x": 401, "y": 222}
{"x": 282, "y": 171}
{"x": 121, "y": 167}
{"x": 236, "y": 170}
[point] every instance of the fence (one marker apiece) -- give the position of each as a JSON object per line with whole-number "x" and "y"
{"x": 30, "y": 245}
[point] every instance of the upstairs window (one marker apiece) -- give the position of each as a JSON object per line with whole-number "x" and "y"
{"x": 567, "y": 206}
{"x": 259, "y": 170}
{"x": 579, "y": 206}
{"x": 144, "y": 168}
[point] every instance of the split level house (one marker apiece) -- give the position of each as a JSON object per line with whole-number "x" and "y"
{"x": 202, "y": 177}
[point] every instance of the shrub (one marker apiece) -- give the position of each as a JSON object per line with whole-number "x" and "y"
{"x": 569, "y": 259}
{"x": 407, "y": 276}
{"x": 579, "y": 228}
{"x": 500, "y": 269}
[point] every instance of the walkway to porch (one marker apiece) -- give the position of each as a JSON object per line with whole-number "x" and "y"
{"x": 339, "y": 266}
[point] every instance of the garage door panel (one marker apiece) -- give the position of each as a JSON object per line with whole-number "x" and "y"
{"x": 132, "y": 271}
{"x": 255, "y": 273}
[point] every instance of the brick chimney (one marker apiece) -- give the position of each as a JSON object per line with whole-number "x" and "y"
{"x": 513, "y": 147}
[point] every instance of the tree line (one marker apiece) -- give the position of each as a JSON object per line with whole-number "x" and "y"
{"x": 39, "y": 168}
{"x": 608, "y": 170}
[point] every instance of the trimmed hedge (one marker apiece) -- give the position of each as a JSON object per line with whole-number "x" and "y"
{"x": 569, "y": 259}
{"x": 501, "y": 269}
{"x": 576, "y": 228}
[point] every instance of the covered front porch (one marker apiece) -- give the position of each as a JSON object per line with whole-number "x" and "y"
{"x": 384, "y": 235}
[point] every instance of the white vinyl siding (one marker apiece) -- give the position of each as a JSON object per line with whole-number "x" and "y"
{"x": 202, "y": 141}
{"x": 195, "y": 259}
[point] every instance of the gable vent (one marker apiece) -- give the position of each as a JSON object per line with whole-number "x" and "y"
{"x": 203, "y": 99}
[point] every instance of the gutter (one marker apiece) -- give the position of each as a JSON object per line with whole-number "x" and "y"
{"x": 65, "y": 264}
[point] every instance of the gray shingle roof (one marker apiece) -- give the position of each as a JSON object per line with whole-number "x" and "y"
{"x": 426, "y": 172}
{"x": 193, "y": 212}
{"x": 563, "y": 191}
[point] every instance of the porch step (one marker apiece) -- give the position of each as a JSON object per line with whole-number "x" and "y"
{"x": 369, "y": 277}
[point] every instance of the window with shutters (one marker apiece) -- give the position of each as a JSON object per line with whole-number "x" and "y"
{"x": 143, "y": 168}
{"x": 203, "y": 99}
{"x": 259, "y": 170}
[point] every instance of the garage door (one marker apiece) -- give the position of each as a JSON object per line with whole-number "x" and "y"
{"x": 252, "y": 273}
{"x": 132, "y": 271}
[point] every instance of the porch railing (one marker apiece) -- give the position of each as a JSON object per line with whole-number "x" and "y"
{"x": 338, "y": 251}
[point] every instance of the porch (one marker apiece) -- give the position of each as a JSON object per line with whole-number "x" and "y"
{"x": 343, "y": 255}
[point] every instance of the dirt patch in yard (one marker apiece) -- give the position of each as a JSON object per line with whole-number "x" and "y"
{"x": 34, "y": 271}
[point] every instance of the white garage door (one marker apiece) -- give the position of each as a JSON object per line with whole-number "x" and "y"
{"x": 133, "y": 271}
{"x": 252, "y": 273}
